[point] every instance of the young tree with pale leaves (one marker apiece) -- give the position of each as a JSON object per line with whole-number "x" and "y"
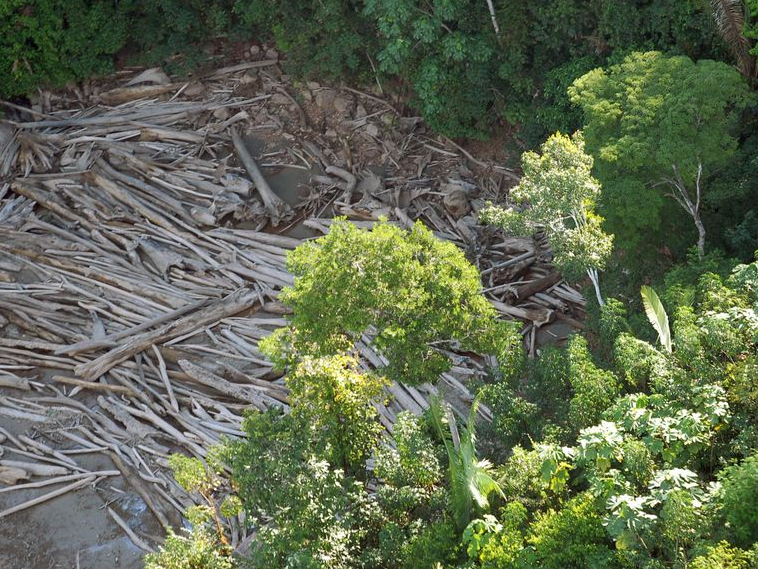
{"x": 558, "y": 193}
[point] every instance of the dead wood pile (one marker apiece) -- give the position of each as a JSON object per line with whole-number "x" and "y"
{"x": 136, "y": 277}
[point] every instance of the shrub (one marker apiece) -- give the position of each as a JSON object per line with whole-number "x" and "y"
{"x": 738, "y": 501}
{"x": 334, "y": 400}
{"x": 723, "y": 556}
{"x": 570, "y": 538}
{"x": 414, "y": 460}
{"x": 196, "y": 549}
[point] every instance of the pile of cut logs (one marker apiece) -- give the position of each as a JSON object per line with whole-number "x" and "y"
{"x": 132, "y": 302}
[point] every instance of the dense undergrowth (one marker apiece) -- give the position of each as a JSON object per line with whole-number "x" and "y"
{"x": 460, "y": 74}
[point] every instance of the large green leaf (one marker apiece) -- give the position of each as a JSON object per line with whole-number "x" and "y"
{"x": 657, "y": 315}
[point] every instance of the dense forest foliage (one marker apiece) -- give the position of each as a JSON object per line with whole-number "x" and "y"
{"x": 636, "y": 444}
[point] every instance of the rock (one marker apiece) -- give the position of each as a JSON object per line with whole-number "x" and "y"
{"x": 10, "y": 475}
{"x": 271, "y": 53}
{"x": 279, "y": 99}
{"x": 248, "y": 78}
{"x": 331, "y": 133}
{"x": 194, "y": 89}
{"x": 372, "y": 130}
{"x": 255, "y": 50}
{"x": 307, "y": 97}
{"x": 360, "y": 112}
{"x": 456, "y": 203}
{"x": 313, "y": 86}
{"x": 342, "y": 104}
{"x": 221, "y": 114}
{"x": 325, "y": 97}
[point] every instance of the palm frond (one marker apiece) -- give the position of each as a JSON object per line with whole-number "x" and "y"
{"x": 729, "y": 16}
{"x": 657, "y": 316}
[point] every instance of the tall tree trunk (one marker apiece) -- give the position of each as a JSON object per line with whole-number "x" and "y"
{"x": 700, "y": 235}
{"x": 595, "y": 278}
{"x": 682, "y": 196}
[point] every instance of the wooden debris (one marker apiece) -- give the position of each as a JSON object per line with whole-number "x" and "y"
{"x": 134, "y": 255}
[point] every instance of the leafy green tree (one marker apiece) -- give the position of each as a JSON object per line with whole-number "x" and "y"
{"x": 658, "y": 126}
{"x": 50, "y": 42}
{"x": 411, "y": 293}
{"x": 335, "y": 400}
{"x": 561, "y": 194}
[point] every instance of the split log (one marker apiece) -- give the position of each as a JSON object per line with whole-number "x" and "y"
{"x": 49, "y": 496}
{"x": 136, "y": 540}
{"x": 232, "y": 304}
{"x": 204, "y": 377}
{"x": 96, "y": 386}
{"x": 13, "y": 381}
{"x": 57, "y": 480}
{"x": 36, "y": 469}
{"x": 278, "y": 210}
{"x": 142, "y": 489}
{"x": 521, "y": 293}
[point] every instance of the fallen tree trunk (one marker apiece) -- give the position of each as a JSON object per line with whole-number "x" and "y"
{"x": 232, "y": 304}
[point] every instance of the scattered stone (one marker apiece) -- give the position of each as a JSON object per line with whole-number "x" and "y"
{"x": 456, "y": 203}
{"x": 360, "y": 112}
{"x": 221, "y": 114}
{"x": 255, "y": 50}
{"x": 279, "y": 99}
{"x": 325, "y": 97}
{"x": 312, "y": 85}
{"x": 271, "y": 53}
{"x": 342, "y": 104}
{"x": 331, "y": 133}
{"x": 248, "y": 78}
{"x": 372, "y": 130}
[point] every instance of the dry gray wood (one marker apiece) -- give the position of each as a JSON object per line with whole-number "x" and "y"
{"x": 277, "y": 208}
{"x": 203, "y": 376}
{"x": 59, "y": 480}
{"x": 232, "y": 304}
{"x": 95, "y": 386}
{"x": 49, "y": 496}
{"x": 136, "y": 540}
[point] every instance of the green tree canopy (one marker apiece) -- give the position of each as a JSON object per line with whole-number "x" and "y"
{"x": 657, "y": 127}
{"x": 410, "y": 292}
{"x": 561, "y": 193}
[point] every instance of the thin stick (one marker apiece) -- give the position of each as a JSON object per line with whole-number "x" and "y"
{"x": 60, "y": 480}
{"x": 164, "y": 377}
{"x": 97, "y": 386}
{"x": 48, "y": 496}
{"x": 129, "y": 532}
